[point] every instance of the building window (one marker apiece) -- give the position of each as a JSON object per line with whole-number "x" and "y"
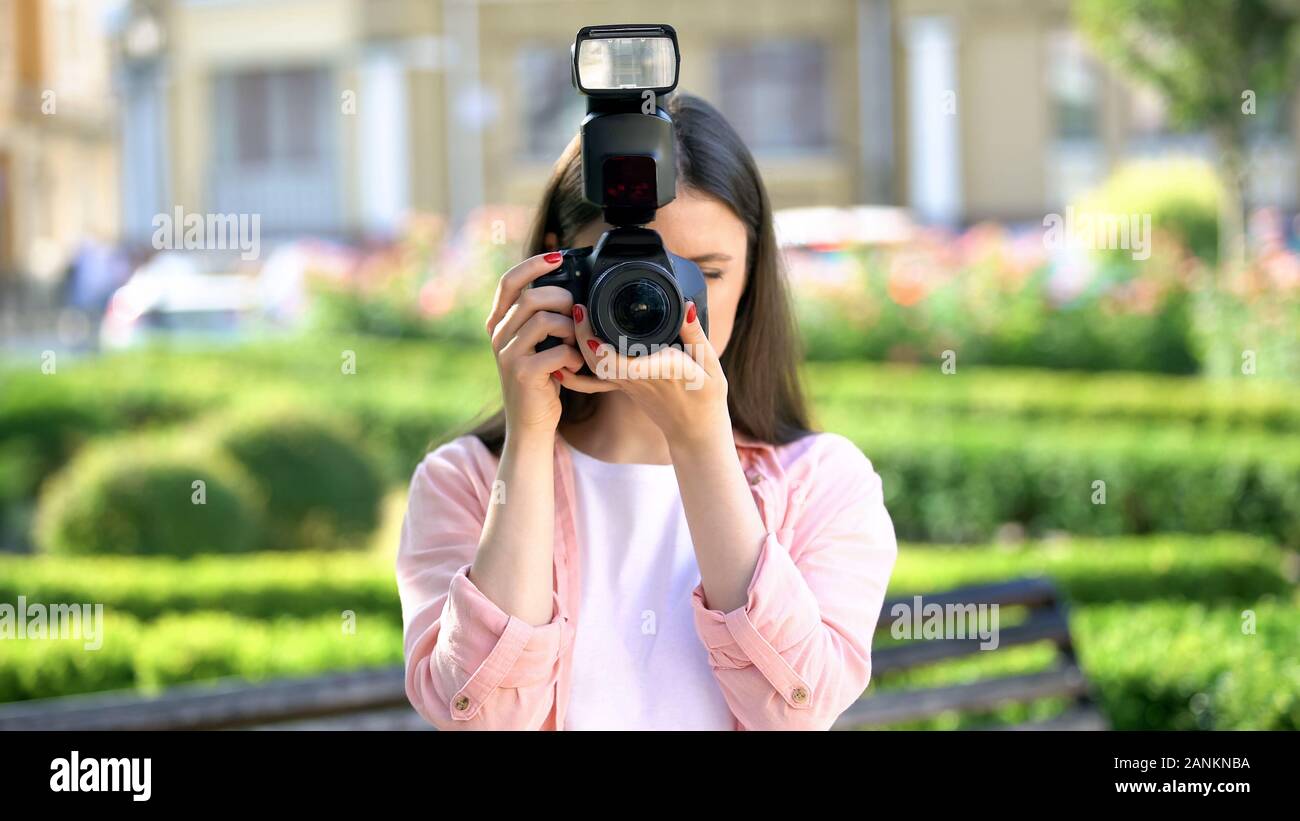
{"x": 1074, "y": 85}
{"x": 1076, "y": 155}
{"x": 552, "y": 108}
{"x": 275, "y": 148}
{"x": 270, "y": 117}
{"x": 775, "y": 93}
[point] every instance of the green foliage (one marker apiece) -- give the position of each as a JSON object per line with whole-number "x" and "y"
{"x": 996, "y": 300}
{"x": 1192, "y": 666}
{"x": 1029, "y": 396}
{"x": 176, "y": 649}
{"x": 954, "y": 480}
{"x": 1158, "y": 624}
{"x": 1199, "y": 56}
{"x": 1181, "y": 195}
{"x": 137, "y": 496}
{"x": 1221, "y": 569}
{"x": 318, "y": 482}
{"x": 256, "y": 586}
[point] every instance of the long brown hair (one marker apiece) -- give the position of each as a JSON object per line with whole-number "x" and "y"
{"x": 764, "y": 393}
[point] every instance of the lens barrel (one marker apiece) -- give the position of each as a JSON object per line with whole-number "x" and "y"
{"x": 636, "y": 303}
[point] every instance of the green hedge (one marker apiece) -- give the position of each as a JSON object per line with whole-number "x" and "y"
{"x": 263, "y": 585}
{"x": 181, "y": 648}
{"x": 317, "y": 481}
{"x": 958, "y": 480}
{"x": 1035, "y": 395}
{"x": 963, "y": 454}
{"x": 1223, "y": 568}
{"x": 1161, "y": 665}
{"x": 137, "y": 496}
{"x": 1157, "y": 623}
{"x": 1220, "y": 568}
{"x": 1168, "y": 665}
{"x": 404, "y": 395}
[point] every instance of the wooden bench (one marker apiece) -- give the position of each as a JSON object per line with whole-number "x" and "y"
{"x": 376, "y": 699}
{"x": 1045, "y": 621}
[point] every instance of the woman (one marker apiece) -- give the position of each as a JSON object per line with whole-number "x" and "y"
{"x": 677, "y": 552}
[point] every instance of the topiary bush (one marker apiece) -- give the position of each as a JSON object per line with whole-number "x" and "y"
{"x": 139, "y": 496}
{"x": 319, "y": 484}
{"x": 1181, "y": 194}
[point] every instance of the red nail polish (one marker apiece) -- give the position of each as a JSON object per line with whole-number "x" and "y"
{"x": 577, "y": 313}
{"x": 593, "y": 344}
{"x": 559, "y": 377}
{"x": 690, "y": 313}
{"x": 553, "y": 257}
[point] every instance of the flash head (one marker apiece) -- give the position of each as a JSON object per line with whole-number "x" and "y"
{"x": 618, "y": 61}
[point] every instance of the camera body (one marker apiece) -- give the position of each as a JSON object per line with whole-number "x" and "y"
{"x": 634, "y": 289}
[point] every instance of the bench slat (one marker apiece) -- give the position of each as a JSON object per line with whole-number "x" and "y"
{"x": 1033, "y": 591}
{"x": 910, "y": 705}
{"x": 209, "y": 706}
{"x": 1043, "y": 625}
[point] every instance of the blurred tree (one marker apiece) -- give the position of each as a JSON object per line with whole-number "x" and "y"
{"x": 1211, "y": 60}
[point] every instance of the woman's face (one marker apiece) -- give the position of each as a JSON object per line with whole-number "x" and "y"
{"x": 704, "y": 230}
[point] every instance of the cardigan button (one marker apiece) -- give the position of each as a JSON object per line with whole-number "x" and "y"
{"x": 461, "y": 703}
{"x": 800, "y": 695}
{"x": 754, "y": 478}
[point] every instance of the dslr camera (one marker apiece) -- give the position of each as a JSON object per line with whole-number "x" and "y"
{"x": 634, "y": 289}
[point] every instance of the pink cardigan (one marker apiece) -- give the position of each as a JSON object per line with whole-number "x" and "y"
{"x": 794, "y": 657}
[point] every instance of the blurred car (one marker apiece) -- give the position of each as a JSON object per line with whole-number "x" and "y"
{"x": 168, "y": 300}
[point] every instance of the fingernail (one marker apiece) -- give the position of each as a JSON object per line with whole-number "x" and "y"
{"x": 559, "y": 377}
{"x": 577, "y": 313}
{"x": 593, "y": 344}
{"x": 553, "y": 257}
{"x": 690, "y": 313}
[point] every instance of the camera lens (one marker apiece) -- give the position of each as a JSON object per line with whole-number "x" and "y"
{"x": 639, "y": 308}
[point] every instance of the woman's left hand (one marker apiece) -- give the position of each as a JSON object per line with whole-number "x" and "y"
{"x": 682, "y": 390}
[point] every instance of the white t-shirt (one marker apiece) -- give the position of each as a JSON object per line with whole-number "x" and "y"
{"x": 638, "y": 663}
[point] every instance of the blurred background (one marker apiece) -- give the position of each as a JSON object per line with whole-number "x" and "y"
{"x": 1115, "y": 409}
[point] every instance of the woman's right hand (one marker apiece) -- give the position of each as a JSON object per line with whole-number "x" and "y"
{"x": 522, "y": 317}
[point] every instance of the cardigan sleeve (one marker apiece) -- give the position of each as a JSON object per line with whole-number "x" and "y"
{"x": 798, "y": 652}
{"x": 469, "y": 665}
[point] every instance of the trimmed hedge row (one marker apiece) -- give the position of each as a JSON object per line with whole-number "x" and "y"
{"x": 1157, "y": 661}
{"x": 175, "y": 649}
{"x": 962, "y": 454}
{"x": 1006, "y": 393}
{"x": 1223, "y": 568}
{"x": 1220, "y": 568}
{"x": 251, "y": 586}
{"x": 959, "y": 480}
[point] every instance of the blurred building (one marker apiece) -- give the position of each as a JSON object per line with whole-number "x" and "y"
{"x": 337, "y": 117}
{"x": 58, "y": 147}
